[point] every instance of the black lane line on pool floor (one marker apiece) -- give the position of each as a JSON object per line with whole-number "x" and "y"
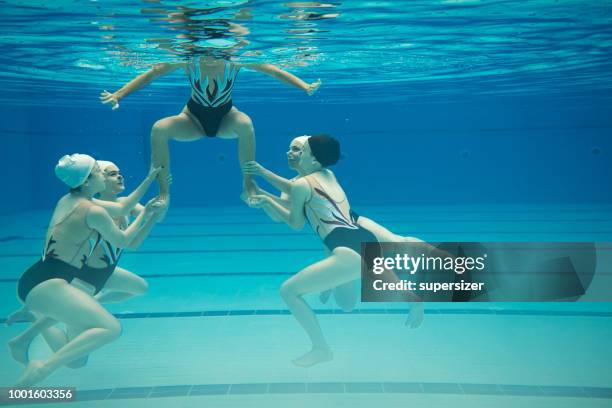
{"x": 276, "y": 312}
{"x": 228, "y": 250}
{"x": 471, "y": 389}
{"x": 11, "y": 238}
{"x": 190, "y": 275}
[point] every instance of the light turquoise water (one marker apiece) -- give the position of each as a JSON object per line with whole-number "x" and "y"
{"x": 213, "y": 316}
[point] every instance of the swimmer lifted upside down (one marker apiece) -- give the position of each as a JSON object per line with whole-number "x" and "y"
{"x": 78, "y": 222}
{"x": 315, "y": 195}
{"x": 209, "y": 112}
{"x": 117, "y": 284}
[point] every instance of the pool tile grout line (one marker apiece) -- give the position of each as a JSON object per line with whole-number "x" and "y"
{"x": 276, "y": 312}
{"x": 188, "y": 390}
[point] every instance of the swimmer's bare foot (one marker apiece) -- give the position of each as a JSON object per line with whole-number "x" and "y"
{"x": 19, "y": 350}
{"x": 315, "y": 356}
{"x": 415, "y": 318}
{"x": 324, "y": 296}
{"x": 34, "y": 373}
{"x": 21, "y": 315}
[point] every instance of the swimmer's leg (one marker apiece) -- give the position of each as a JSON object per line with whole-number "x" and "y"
{"x": 346, "y": 296}
{"x": 63, "y": 302}
{"x": 122, "y": 285}
{"x": 57, "y": 338}
{"x": 21, "y": 315}
{"x": 384, "y": 235}
{"x": 180, "y": 127}
{"x": 239, "y": 124}
{"x": 20, "y": 345}
{"x": 342, "y": 266}
{"x": 71, "y": 333}
{"x": 325, "y": 295}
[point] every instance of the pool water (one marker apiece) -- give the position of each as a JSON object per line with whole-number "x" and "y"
{"x": 214, "y": 331}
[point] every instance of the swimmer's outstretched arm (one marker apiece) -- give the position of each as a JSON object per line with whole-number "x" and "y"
{"x": 136, "y": 210}
{"x": 292, "y": 215}
{"x": 255, "y": 169}
{"x": 140, "y": 81}
{"x": 149, "y": 223}
{"x": 282, "y": 201}
{"x": 285, "y": 77}
{"x": 100, "y": 220}
{"x": 127, "y": 204}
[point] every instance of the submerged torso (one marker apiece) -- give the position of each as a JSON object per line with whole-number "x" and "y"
{"x": 212, "y": 80}
{"x": 328, "y": 207}
{"x": 106, "y": 255}
{"x": 69, "y": 238}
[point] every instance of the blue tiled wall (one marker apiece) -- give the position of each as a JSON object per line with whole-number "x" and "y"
{"x": 477, "y": 150}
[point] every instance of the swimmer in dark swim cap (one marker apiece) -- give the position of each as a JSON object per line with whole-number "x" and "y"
{"x": 315, "y": 195}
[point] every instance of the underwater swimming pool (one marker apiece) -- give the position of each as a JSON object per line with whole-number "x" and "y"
{"x": 213, "y": 329}
{"x": 459, "y": 121}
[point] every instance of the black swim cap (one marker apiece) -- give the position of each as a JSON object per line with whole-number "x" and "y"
{"x": 325, "y": 149}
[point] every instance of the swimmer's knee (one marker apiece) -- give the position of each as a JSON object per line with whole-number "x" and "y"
{"x": 142, "y": 287}
{"x": 139, "y": 287}
{"x": 113, "y": 328}
{"x": 159, "y": 131}
{"x": 287, "y": 290}
{"x": 79, "y": 363}
{"x": 244, "y": 126}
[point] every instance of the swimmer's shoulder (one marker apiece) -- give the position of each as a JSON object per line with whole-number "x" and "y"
{"x": 300, "y": 185}
{"x": 167, "y": 67}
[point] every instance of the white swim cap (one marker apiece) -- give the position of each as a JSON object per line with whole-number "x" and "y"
{"x": 301, "y": 139}
{"x": 104, "y": 164}
{"x": 74, "y": 169}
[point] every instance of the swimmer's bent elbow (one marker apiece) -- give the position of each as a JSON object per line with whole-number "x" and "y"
{"x": 119, "y": 240}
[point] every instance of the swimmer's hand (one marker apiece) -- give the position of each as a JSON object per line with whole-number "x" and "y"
{"x": 154, "y": 171}
{"x": 155, "y": 207}
{"x": 160, "y": 207}
{"x": 312, "y": 88}
{"x": 245, "y": 195}
{"x": 257, "y": 201}
{"x": 151, "y": 207}
{"x": 253, "y": 168}
{"x": 112, "y": 98}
